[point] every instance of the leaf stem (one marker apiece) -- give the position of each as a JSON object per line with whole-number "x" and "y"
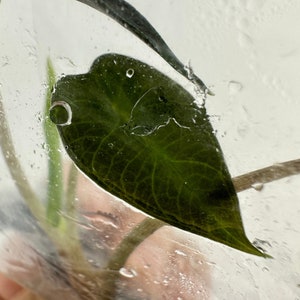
{"x": 15, "y": 169}
{"x": 55, "y": 180}
{"x": 265, "y": 175}
{"x": 127, "y": 246}
{"x": 132, "y": 240}
{"x": 70, "y": 193}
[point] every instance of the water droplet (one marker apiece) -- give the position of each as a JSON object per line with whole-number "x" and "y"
{"x": 111, "y": 145}
{"x": 234, "y": 87}
{"x": 261, "y": 244}
{"x": 165, "y": 282}
{"x": 189, "y": 70}
{"x": 129, "y": 273}
{"x": 102, "y": 217}
{"x": 157, "y": 116}
{"x": 61, "y": 113}
{"x": 129, "y": 73}
{"x": 179, "y": 252}
{"x": 258, "y": 186}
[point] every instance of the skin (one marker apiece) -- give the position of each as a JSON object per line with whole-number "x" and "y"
{"x": 10, "y": 290}
{"x": 182, "y": 272}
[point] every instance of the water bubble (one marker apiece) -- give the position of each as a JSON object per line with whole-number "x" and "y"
{"x": 258, "y": 186}
{"x": 179, "y": 252}
{"x": 111, "y": 145}
{"x": 234, "y": 87}
{"x": 129, "y": 273}
{"x": 262, "y": 245}
{"x": 157, "y": 116}
{"x": 61, "y": 113}
{"x": 102, "y": 217}
{"x": 129, "y": 73}
{"x": 189, "y": 70}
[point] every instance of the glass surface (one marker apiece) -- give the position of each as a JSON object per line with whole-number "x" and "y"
{"x": 247, "y": 53}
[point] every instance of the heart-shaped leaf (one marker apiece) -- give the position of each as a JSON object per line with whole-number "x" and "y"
{"x": 142, "y": 137}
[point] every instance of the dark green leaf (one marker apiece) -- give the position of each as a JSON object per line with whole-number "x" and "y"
{"x": 140, "y": 136}
{"x": 126, "y": 15}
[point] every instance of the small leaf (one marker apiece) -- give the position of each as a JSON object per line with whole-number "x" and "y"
{"x": 143, "y": 139}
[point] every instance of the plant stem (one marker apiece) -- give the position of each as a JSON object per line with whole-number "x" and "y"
{"x": 127, "y": 246}
{"x": 15, "y": 168}
{"x": 55, "y": 180}
{"x": 132, "y": 240}
{"x": 70, "y": 193}
{"x": 265, "y": 175}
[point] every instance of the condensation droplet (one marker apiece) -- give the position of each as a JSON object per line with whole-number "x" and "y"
{"x": 189, "y": 70}
{"x": 234, "y": 87}
{"x": 265, "y": 269}
{"x": 179, "y": 252}
{"x": 258, "y": 186}
{"x": 129, "y": 73}
{"x": 61, "y": 113}
{"x": 102, "y": 217}
{"x": 111, "y": 145}
{"x": 129, "y": 273}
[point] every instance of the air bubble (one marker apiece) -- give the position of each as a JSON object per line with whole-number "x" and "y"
{"x": 129, "y": 273}
{"x": 179, "y": 252}
{"x": 258, "y": 186}
{"x": 189, "y": 71}
{"x": 61, "y": 113}
{"x": 129, "y": 73}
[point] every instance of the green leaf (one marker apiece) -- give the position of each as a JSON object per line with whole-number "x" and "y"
{"x": 142, "y": 137}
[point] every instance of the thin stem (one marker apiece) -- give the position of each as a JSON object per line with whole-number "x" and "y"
{"x": 70, "y": 193}
{"x": 265, "y": 175}
{"x": 132, "y": 240}
{"x": 55, "y": 180}
{"x": 15, "y": 168}
{"x": 139, "y": 234}
{"x": 68, "y": 225}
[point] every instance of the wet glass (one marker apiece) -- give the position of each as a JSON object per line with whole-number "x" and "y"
{"x": 247, "y": 53}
